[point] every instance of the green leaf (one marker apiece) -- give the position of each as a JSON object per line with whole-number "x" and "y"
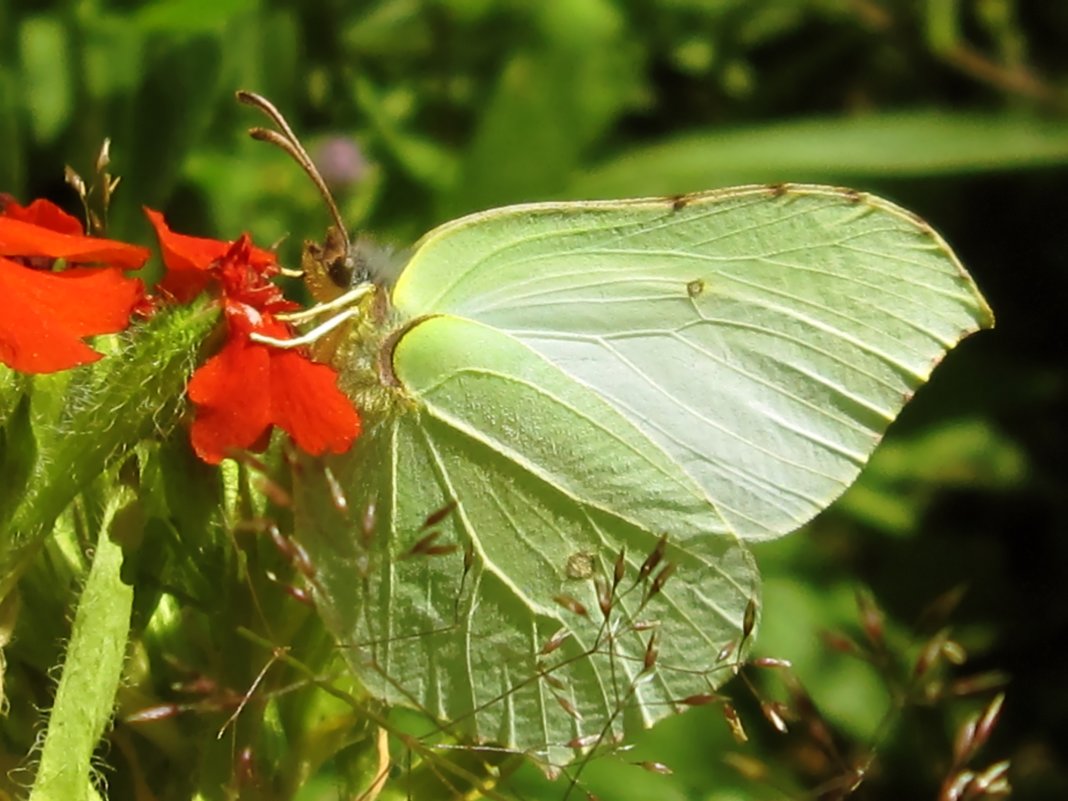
{"x": 550, "y": 103}
{"x": 421, "y": 158}
{"x": 18, "y": 451}
{"x": 188, "y": 74}
{"x": 13, "y": 388}
{"x": 114, "y": 54}
{"x": 906, "y": 473}
{"x": 899, "y": 144}
{"x": 44, "y": 45}
{"x": 183, "y": 17}
{"x": 12, "y": 159}
{"x": 91, "y": 671}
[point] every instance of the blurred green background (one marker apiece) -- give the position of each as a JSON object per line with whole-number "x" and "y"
{"x": 421, "y": 110}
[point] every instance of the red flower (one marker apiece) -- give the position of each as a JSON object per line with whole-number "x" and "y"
{"x": 48, "y": 312}
{"x": 190, "y": 259}
{"x": 248, "y": 386}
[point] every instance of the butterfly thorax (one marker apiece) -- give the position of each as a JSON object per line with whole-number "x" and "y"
{"x": 360, "y": 349}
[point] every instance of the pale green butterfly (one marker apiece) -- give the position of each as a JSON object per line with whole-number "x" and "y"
{"x": 605, "y": 400}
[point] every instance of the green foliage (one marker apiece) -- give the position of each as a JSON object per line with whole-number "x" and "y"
{"x": 861, "y": 148}
{"x": 92, "y": 666}
{"x": 77, "y": 423}
{"x": 955, "y": 110}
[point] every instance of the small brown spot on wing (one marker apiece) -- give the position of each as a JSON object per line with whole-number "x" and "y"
{"x": 778, "y": 190}
{"x": 695, "y": 287}
{"x": 679, "y": 202}
{"x": 919, "y": 222}
{"x": 580, "y": 565}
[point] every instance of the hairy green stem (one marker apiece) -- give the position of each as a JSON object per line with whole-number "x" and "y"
{"x": 91, "y": 673}
{"x": 104, "y": 412}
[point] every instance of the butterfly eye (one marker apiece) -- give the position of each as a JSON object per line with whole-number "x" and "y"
{"x": 341, "y": 271}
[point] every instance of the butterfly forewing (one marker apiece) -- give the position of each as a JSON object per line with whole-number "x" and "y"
{"x": 762, "y": 338}
{"x": 488, "y": 386}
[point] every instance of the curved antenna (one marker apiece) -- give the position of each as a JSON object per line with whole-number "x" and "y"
{"x": 287, "y": 141}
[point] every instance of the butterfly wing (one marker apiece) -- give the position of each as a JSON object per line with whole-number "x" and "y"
{"x": 763, "y": 338}
{"x": 510, "y": 624}
{"x": 581, "y": 380}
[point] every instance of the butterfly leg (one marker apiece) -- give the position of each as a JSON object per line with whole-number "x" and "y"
{"x": 315, "y": 334}
{"x": 349, "y": 300}
{"x": 340, "y": 302}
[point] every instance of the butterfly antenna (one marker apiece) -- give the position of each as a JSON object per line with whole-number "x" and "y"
{"x": 288, "y": 141}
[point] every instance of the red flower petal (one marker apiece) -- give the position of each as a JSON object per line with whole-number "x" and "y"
{"x": 44, "y": 213}
{"x": 23, "y": 239}
{"x": 306, "y": 403}
{"x": 248, "y": 387}
{"x": 232, "y": 395}
{"x": 48, "y": 314}
{"x": 188, "y": 259}
{"x": 244, "y": 280}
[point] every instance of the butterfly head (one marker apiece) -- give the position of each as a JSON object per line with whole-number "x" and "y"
{"x": 338, "y": 264}
{"x": 329, "y": 268}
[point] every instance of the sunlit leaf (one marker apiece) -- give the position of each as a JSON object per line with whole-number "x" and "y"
{"x": 878, "y": 145}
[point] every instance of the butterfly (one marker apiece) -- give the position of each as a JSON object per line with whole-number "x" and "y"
{"x": 611, "y": 399}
